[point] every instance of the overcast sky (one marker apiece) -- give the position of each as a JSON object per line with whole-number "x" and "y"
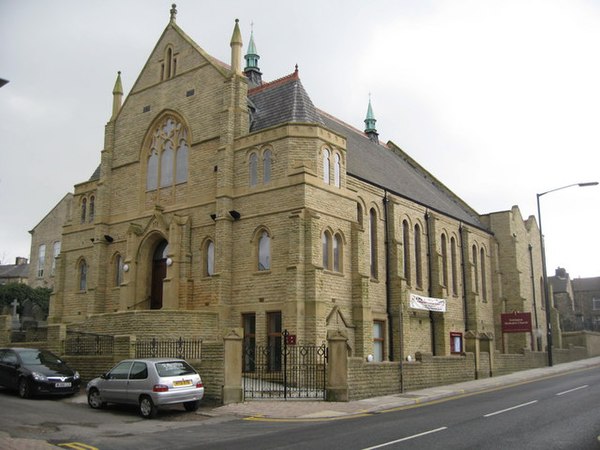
{"x": 499, "y": 100}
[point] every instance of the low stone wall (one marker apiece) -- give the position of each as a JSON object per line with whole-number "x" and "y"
{"x": 588, "y": 339}
{"x": 368, "y": 379}
{"x": 150, "y": 323}
{"x": 89, "y": 367}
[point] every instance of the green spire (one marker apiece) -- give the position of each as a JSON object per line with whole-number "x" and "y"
{"x": 370, "y": 120}
{"x": 251, "y": 56}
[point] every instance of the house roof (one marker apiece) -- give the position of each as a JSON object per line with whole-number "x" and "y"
{"x": 285, "y": 100}
{"x": 14, "y": 271}
{"x": 586, "y": 284}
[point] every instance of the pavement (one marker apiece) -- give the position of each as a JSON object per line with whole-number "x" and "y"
{"x": 310, "y": 410}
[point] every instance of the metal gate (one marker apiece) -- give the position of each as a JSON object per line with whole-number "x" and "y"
{"x": 283, "y": 370}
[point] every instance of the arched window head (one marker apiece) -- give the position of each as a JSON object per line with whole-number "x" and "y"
{"x": 267, "y": 166}
{"x": 264, "y": 251}
{"x": 168, "y": 153}
{"x": 92, "y": 209}
{"x": 326, "y": 166}
{"x": 253, "y": 169}
{"x": 336, "y": 170}
{"x": 83, "y": 271}
{"x": 210, "y": 259}
{"x": 83, "y": 209}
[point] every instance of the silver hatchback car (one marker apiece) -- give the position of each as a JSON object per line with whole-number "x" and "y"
{"x": 149, "y": 383}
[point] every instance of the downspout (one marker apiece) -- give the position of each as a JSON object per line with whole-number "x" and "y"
{"x": 429, "y": 283}
{"x": 533, "y": 292}
{"x": 388, "y": 288}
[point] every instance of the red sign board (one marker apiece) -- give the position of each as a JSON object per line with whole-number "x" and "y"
{"x": 290, "y": 339}
{"x": 516, "y": 322}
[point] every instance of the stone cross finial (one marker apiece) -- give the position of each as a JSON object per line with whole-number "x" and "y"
{"x": 173, "y": 12}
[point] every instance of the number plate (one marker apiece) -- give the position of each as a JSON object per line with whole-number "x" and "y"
{"x": 61, "y": 385}
{"x": 182, "y": 383}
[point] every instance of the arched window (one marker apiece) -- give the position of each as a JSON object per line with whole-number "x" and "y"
{"x": 181, "y": 161}
{"x": 152, "y": 176}
{"x": 266, "y": 166}
{"x": 41, "y": 260}
{"x": 83, "y": 270}
{"x": 373, "y": 241}
{"x": 454, "y": 264}
{"x": 92, "y": 209}
{"x": 326, "y": 166}
{"x": 418, "y": 256}
{"x": 326, "y": 240}
{"x": 359, "y": 214}
{"x": 475, "y": 270}
{"x": 210, "y": 258}
{"x": 337, "y": 253}
{"x": 336, "y": 170}
{"x": 166, "y": 164}
{"x": 83, "y": 209}
{"x": 264, "y": 251}
{"x": 118, "y": 270}
{"x": 483, "y": 280}
{"x": 253, "y": 169}
{"x": 169, "y": 61}
{"x": 444, "y": 261}
{"x": 406, "y": 244}
{"x": 55, "y": 253}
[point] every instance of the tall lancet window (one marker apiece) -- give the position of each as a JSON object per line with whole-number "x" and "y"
{"x": 168, "y": 152}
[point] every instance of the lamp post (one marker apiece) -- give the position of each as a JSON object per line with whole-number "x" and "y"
{"x": 545, "y": 277}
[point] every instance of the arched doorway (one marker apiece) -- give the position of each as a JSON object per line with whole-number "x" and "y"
{"x": 159, "y": 272}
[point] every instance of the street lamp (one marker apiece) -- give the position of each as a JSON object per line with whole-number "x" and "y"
{"x": 545, "y": 277}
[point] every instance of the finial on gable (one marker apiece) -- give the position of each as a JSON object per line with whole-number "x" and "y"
{"x": 236, "y": 49}
{"x": 117, "y": 96}
{"x": 173, "y": 12}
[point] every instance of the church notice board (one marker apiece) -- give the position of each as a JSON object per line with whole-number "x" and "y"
{"x": 516, "y": 322}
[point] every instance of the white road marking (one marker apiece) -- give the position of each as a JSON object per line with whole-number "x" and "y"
{"x": 510, "y": 409}
{"x": 406, "y": 438}
{"x": 574, "y": 389}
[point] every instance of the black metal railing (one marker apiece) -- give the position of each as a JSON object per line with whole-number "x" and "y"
{"x": 285, "y": 371}
{"x": 79, "y": 343}
{"x": 169, "y": 348}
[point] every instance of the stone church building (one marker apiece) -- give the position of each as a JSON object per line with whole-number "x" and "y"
{"x": 223, "y": 200}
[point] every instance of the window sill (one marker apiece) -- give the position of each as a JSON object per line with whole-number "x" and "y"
{"x": 262, "y": 272}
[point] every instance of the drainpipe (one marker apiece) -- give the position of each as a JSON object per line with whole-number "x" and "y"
{"x": 429, "y": 282}
{"x": 533, "y": 292}
{"x": 388, "y": 288}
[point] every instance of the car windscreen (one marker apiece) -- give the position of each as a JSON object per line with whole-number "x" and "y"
{"x": 174, "y": 369}
{"x": 37, "y": 357}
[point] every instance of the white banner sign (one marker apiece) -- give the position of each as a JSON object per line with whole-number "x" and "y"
{"x": 427, "y": 303}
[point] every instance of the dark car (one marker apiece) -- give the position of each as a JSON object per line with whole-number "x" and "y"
{"x": 32, "y": 371}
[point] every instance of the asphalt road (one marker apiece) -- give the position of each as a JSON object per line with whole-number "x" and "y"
{"x": 562, "y": 412}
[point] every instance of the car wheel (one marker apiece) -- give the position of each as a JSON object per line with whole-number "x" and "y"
{"x": 191, "y": 406}
{"x": 94, "y": 399}
{"x": 147, "y": 408}
{"x": 24, "y": 388}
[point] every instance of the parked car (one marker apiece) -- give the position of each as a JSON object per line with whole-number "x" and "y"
{"x": 32, "y": 371}
{"x": 149, "y": 383}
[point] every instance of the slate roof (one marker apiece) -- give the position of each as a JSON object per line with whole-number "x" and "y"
{"x": 285, "y": 100}
{"x": 586, "y": 284}
{"x": 281, "y": 101}
{"x": 14, "y": 271}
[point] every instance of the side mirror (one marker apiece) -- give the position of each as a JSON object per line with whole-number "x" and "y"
{"x": 104, "y": 376}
